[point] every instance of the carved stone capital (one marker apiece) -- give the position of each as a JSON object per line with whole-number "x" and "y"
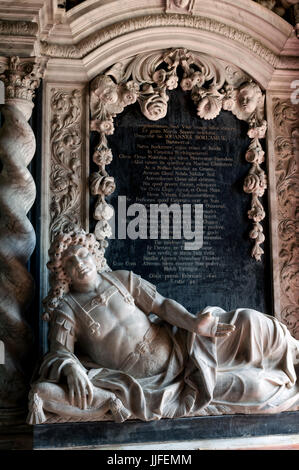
{"x": 21, "y": 77}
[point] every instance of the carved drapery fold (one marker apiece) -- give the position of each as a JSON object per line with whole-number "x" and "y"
{"x": 286, "y": 122}
{"x": 17, "y": 195}
{"x": 214, "y": 85}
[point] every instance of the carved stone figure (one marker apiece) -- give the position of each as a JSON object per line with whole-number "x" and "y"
{"x": 119, "y": 349}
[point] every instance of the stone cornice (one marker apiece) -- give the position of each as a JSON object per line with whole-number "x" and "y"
{"x": 90, "y": 43}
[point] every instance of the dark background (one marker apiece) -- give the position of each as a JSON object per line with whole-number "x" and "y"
{"x": 239, "y": 280}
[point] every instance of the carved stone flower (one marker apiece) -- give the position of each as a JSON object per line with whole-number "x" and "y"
{"x": 255, "y": 154}
{"x": 255, "y": 184}
{"x": 172, "y": 82}
{"x": 155, "y": 107}
{"x": 187, "y": 84}
{"x": 198, "y": 79}
{"x": 257, "y": 214}
{"x": 103, "y": 230}
{"x": 129, "y": 97}
{"x": 103, "y": 211}
{"x": 159, "y": 76}
{"x": 102, "y": 185}
{"x": 102, "y": 157}
{"x": 258, "y": 132}
{"x": 228, "y": 104}
{"x": 104, "y": 127}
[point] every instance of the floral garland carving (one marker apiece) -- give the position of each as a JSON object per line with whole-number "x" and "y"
{"x": 214, "y": 85}
{"x": 286, "y": 122}
{"x": 65, "y": 177}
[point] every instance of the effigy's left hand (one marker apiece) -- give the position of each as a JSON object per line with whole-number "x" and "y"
{"x": 208, "y": 325}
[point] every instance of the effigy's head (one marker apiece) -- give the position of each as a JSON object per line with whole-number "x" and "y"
{"x": 60, "y": 249}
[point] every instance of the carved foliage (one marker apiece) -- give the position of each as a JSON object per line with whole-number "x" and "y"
{"x": 65, "y": 177}
{"x": 286, "y": 120}
{"x": 213, "y": 84}
{"x": 21, "y": 78}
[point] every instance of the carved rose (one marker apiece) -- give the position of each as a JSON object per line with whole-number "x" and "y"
{"x": 103, "y": 230}
{"x": 102, "y": 185}
{"x": 258, "y": 132}
{"x": 256, "y": 213}
{"x": 255, "y": 154}
{"x": 103, "y": 211}
{"x": 255, "y": 184}
{"x": 228, "y": 104}
{"x": 172, "y": 82}
{"x": 196, "y": 79}
{"x": 187, "y": 84}
{"x": 159, "y": 76}
{"x": 102, "y": 157}
{"x": 104, "y": 127}
{"x": 130, "y": 93}
{"x": 155, "y": 107}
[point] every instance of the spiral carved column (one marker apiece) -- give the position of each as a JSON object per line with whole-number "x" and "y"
{"x": 17, "y": 236}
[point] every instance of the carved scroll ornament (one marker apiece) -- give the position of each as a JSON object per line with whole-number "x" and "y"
{"x": 214, "y": 85}
{"x": 65, "y": 141}
{"x": 286, "y": 124}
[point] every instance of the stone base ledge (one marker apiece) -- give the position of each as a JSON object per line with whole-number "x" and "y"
{"x": 99, "y": 434}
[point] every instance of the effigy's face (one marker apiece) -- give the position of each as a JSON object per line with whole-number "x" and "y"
{"x": 79, "y": 265}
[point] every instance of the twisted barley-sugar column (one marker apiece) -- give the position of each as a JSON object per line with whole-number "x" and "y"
{"x": 17, "y": 242}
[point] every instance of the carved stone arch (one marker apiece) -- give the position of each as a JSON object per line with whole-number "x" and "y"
{"x": 214, "y": 85}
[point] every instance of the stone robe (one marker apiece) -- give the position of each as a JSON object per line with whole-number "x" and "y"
{"x": 254, "y": 370}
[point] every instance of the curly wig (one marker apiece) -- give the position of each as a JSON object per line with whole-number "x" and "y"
{"x": 59, "y": 280}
